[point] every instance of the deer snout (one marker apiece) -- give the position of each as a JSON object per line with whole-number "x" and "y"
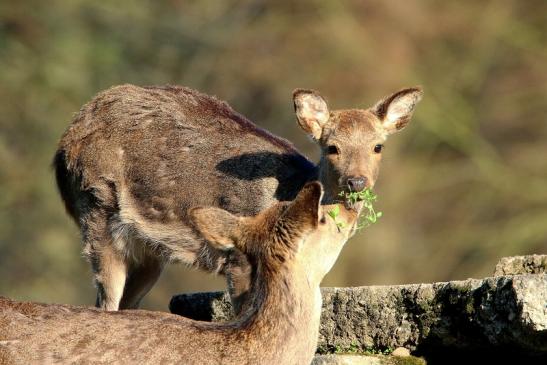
{"x": 356, "y": 183}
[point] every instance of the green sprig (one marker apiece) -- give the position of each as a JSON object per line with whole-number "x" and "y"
{"x": 368, "y": 198}
{"x": 334, "y": 213}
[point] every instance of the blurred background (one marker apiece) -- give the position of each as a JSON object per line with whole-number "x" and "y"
{"x": 462, "y": 186}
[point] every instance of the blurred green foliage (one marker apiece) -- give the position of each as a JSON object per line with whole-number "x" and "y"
{"x": 463, "y": 185}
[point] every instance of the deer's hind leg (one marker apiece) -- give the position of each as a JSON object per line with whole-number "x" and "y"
{"x": 141, "y": 277}
{"x": 107, "y": 261}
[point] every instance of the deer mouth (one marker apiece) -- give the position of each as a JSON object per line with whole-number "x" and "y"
{"x": 357, "y": 200}
{"x": 345, "y": 197}
{"x": 355, "y": 206}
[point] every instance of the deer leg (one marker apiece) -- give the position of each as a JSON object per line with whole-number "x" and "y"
{"x": 110, "y": 272}
{"x": 106, "y": 258}
{"x": 141, "y": 278}
{"x": 238, "y": 276}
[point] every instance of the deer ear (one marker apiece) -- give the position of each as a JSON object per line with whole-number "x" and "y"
{"x": 396, "y": 110}
{"x": 311, "y": 110}
{"x": 219, "y": 227}
{"x": 303, "y": 212}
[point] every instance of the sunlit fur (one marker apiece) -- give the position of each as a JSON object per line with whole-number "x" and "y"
{"x": 290, "y": 246}
{"x": 135, "y": 160}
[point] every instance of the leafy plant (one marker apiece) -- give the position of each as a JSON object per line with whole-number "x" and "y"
{"x": 368, "y": 216}
{"x": 334, "y": 213}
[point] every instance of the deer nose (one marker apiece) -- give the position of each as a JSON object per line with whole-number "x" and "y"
{"x": 356, "y": 184}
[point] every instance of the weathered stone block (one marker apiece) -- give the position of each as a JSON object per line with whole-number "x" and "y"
{"x": 345, "y": 360}
{"x": 366, "y": 360}
{"x": 508, "y": 312}
{"x": 531, "y": 264}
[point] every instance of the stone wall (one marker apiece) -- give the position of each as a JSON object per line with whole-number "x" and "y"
{"x": 505, "y": 314}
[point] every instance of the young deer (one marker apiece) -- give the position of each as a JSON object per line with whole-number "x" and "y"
{"x": 291, "y": 247}
{"x": 136, "y": 159}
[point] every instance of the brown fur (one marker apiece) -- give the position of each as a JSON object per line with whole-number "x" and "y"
{"x": 136, "y": 159}
{"x": 290, "y": 246}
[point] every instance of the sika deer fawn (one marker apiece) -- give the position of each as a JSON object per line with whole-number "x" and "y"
{"x": 291, "y": 247}
{"x": 136, "y": 159}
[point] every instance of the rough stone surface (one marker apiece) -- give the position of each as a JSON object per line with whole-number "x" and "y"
{"x": 505, "y": 312}
{"x": 401, "y": 351}
{"x": 516, "y": 265}
{"x": 346, "y": 360}
{"x": 365, "y": 360}
{"x": 213, "y": 306}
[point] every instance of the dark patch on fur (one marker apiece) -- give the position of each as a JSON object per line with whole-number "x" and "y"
{"x": 64, "y": 183}
{"x": 77, "y": 201}
{"x": 254, "y": 166}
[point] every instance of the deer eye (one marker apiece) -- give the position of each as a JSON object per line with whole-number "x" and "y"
{"x": 332, "y": 150}
{"x": 378, "y": 148}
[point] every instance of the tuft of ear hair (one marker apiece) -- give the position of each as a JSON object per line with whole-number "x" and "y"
{"x": 396, "y": 110}
{"x": 311, "y": 111}
{"x": 221, "y": 228}
{"x": 304, "y": 211}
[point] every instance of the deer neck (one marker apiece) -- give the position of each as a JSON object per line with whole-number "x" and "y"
{"x": 284, "y": 314}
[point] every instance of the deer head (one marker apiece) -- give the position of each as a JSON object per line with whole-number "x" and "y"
{"x": 284, "y": 237}
{"x": 352, "y": 141}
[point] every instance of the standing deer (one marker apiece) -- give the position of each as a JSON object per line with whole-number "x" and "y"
{"x": 290, "y": 246}
{"x": 136, "y": 159}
